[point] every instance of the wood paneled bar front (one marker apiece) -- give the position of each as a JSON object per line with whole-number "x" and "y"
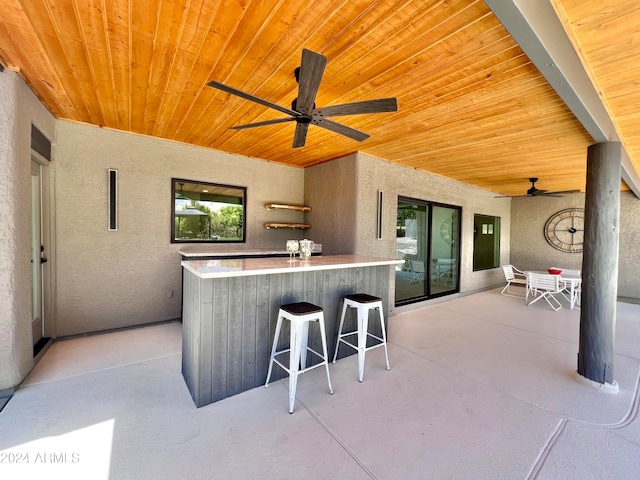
{"x": 230, "y": 309}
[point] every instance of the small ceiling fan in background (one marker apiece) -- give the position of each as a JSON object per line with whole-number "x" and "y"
{"x": 303, "y": 109}
{"x": 537, "y": 192}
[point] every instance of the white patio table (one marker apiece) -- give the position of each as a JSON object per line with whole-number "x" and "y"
{"x": 574, "y": 282}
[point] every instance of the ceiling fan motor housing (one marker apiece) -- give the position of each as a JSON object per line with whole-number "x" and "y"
{"x": 303, "y": 118}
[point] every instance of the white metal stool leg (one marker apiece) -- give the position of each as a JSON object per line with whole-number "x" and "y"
{"x": 384, "y": 336}
{"x": 324, "y": 351}
{"x": 363, "y": 328}
{"x": 275, "y": 345}
{"x": 304, "y": 340}
{"x": 296, "y": 339}
{"x": 344, "y": 310}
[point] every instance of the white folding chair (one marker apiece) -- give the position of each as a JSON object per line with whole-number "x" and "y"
{"x": 542, "y": 285}
{"x": 513, "y": 277}
{"x": 416, "y": 267}
{"x": 446, "y": 268}
{"x": 577, "y": 295}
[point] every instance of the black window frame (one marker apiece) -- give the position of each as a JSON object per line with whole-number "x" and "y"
{"x": 177, "y": 188}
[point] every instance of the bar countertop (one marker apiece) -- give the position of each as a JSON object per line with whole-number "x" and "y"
{"x": 265, "y": 266}
{"x": 207, "y": 251}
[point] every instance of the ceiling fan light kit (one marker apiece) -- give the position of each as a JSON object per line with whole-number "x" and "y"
{"x": 304, "y": 111}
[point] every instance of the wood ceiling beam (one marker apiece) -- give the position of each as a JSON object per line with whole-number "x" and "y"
{"x": 540, "y": 33}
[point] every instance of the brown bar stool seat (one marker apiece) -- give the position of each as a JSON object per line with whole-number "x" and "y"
{"x": 300, "y": 315}
{"x": 363, "y": 303}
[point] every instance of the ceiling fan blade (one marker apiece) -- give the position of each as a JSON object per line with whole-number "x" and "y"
{"x": 262, "y": 124}
{"x": 341, "y": 129}
{"x": 300, "y": 136}
{"x": 311, "y": 71}
{"x": 247, "y": 96}
{"x": 563, "y": 191}
{"x": 368, "y": 106}
{"x": 537, "y": 194}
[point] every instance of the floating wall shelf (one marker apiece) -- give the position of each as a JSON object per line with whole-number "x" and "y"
{"x": 284, "y": 206}
{"x": 301, "y": 226}
{"x": 276, "y": 206}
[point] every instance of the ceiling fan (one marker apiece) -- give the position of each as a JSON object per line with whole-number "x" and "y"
{"x": 303, "y": 109}
{"x": 537, "y": 192}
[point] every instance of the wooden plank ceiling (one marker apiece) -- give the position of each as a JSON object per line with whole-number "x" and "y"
{"x": 472, "y": 107}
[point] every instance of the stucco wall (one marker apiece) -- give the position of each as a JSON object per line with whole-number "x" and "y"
{"x": 530, "y": 250}
{"x": 114, "y": 279}
{"x": 330, "y": 190}
{"x": 374, "y": 174}
{"x": 344, "y": 195}
{"x": 18, "y": 109}
{"x": 629, "y": 247}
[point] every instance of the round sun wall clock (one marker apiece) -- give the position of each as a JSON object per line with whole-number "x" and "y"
{"x": 564, "y": 230}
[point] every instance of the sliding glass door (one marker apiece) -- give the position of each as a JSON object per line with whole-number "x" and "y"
{"x": 428, "y": 240}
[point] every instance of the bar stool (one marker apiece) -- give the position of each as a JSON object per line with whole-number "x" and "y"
{"x": 364, "y": 304}
{"x": 300, "y": 315}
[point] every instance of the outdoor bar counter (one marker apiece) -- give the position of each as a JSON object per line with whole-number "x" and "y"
{"x": 199, "y": 252}
{"x": 230, "y": 309}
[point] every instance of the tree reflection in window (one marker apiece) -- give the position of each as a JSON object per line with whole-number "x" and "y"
{"x": 207, "y": 212}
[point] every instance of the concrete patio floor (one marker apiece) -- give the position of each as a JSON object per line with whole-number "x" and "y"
{"x": 480, "y": 387}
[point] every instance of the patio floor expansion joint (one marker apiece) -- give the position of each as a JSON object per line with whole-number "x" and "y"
{"x": 337, "y": 438}
{"x": 537, "y": 467}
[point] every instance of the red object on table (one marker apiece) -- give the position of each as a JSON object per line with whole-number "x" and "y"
{"x": 554, "y": 271}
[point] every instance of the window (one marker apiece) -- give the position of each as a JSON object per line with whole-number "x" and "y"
{"x": 486, "y": 242}
{"x": 207, "y": 212}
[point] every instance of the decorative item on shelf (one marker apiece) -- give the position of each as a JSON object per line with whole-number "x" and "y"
{"x": 554, "y": 271}
{"x": 282, "y": 206}
{"x": 306, "y": 246}
{"x": 292, "y": 247}
{"x": 301, "y": 226}
{"x": 564, "y": 230}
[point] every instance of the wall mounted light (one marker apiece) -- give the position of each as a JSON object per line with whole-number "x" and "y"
{"x": 113, "y": 200}
{"x": 379, "y": 223}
